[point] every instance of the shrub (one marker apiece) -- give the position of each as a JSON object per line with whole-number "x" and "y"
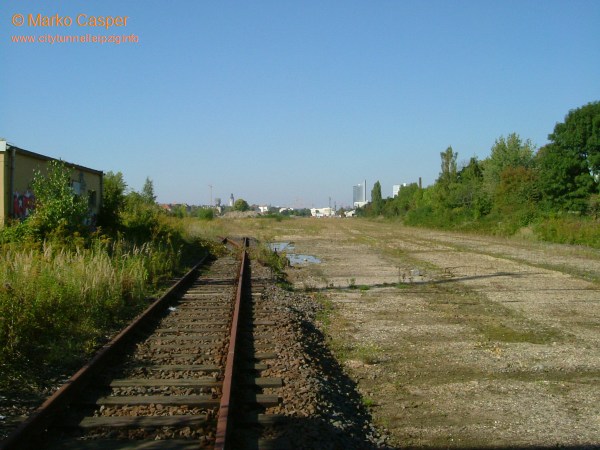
{"x": 113, "y": 200}
{"x": 55, "y": 202}
{"x": 569, "y": 230}
{"x": 16, "y": 232}
{"x": 206, "y": 213}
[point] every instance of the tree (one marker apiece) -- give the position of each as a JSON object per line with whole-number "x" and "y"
{"x": 113, "y": 200}
{"x": 580, "y": 133}
{"x": 241, "y": 205}
{"x": 517, "y": 195}
{"x": 148, "y": 192}
{"x": 376, "y": 199}
{"x": 447, "y": 181}
{"x": 140, "y": 219}
{"x": 565, "y": 182}
{"x": 405, "y": 200}
{"x": 55, "y": 202}
{"x": 569, "y": 167}
{"x": 448, "y": 173}
{"x": 510, "y": 152}
{"x": 468, "y": 189}
{"x": 594, "y": 206}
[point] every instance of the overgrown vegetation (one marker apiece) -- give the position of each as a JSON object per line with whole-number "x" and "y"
{"x": 56, "y": 206}
{"x": 66, "y": 284}
{"x": 277, "y": 262}
{"x": 553, "y": 190}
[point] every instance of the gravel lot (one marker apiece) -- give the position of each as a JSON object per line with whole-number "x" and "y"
{"x": 458, "y": 340}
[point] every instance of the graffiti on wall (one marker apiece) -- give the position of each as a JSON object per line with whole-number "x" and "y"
{"x": 23, "y": 204}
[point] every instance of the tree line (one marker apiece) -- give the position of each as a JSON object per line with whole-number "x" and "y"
{"x": 516, "y": 186}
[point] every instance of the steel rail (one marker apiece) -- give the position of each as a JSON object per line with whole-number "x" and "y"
{"x": 225, "y": 408}
{"x": 24, "y": 436}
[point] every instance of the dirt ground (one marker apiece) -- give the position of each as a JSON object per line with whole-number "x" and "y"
{"x": 459, "y": 340}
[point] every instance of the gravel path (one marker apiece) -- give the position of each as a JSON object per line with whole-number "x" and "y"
{"x": 325, "y": 409}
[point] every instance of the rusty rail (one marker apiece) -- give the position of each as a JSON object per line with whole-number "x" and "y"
{"x": 225, "y": 408}
{"x": 24, "y": 436}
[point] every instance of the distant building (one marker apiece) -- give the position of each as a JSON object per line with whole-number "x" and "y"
{"x": 263, "y": 209}
{"x": 17, "y": 167}
{"x": 231, "y": 200}
{"x": 359, "y": 195}
{"x": 322, "y": 212}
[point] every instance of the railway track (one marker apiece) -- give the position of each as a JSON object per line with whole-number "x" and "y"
{"x": 184, "y": 375}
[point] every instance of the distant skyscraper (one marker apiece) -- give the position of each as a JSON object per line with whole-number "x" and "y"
{"x": 359, "y": 194}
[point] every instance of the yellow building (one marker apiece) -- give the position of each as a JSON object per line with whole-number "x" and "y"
{"x": 17, "y": 168}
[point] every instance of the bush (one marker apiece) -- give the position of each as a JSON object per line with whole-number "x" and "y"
{"x": 206, "y": 214}
{"x": 569, "y": 230}
{"x": 16, "y": 232}
{"x": 141, "y": 220}
{"x": 113, "y": 200}
{"x": 55, "y": 203}
{"x": 241, "y": 205}
{"x": 63, "y": 287}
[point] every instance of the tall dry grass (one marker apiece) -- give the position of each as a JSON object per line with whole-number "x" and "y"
{"x": 56, "y": 302}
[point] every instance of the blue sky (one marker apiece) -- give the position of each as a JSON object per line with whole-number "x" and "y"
{"x": 293, "y": 102}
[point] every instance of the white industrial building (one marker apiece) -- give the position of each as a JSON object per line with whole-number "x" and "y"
{"x": 322, "y": 212}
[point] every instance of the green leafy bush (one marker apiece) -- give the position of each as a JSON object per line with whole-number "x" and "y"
{"x": 65, "y": 286}
{"x": 56, "y": 205}
{"x": 206, "y": 213}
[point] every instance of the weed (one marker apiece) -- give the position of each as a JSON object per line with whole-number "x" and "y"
{"x": 368, "y": 402}
{"x": 277, "y": 262}
{"x": 325, "y": 313}
{"x": 57, "y": 301}
{"x": 342, "y": 350}
{"x": 368, "y": 353}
